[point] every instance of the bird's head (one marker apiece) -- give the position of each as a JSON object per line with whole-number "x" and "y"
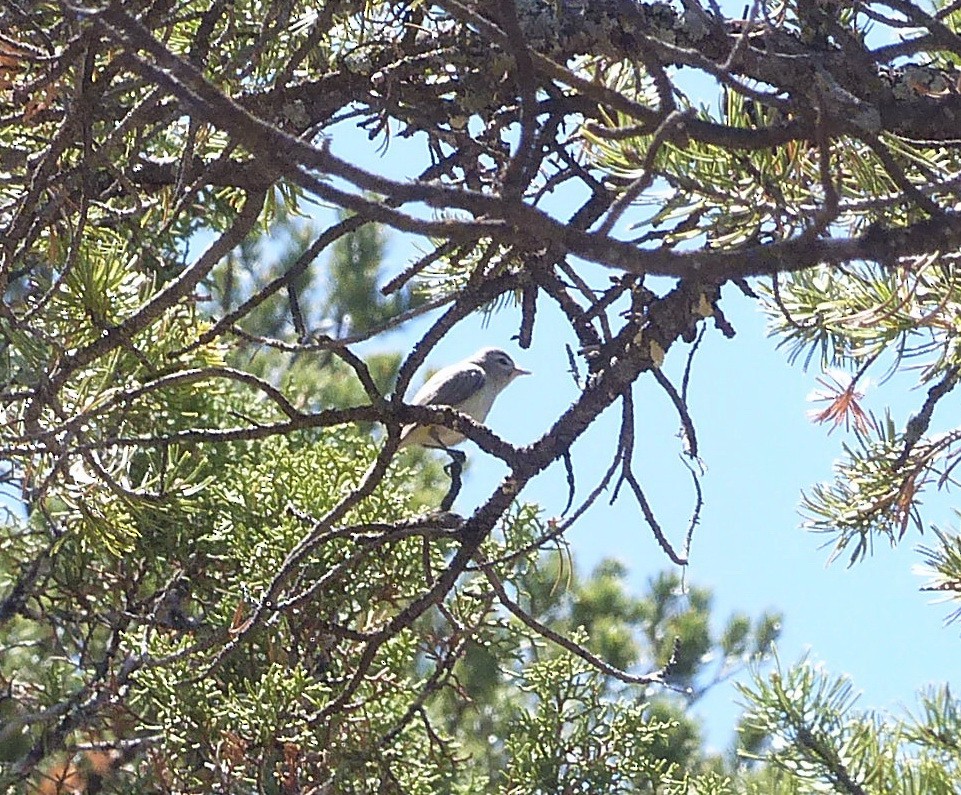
{"x": 498, "y": 365}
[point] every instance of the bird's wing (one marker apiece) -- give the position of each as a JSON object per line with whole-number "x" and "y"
{"x": 450, "y": 386}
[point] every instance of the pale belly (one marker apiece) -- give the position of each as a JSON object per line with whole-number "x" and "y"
{"x": 477, "y": 407}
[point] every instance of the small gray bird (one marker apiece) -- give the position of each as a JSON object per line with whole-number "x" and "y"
{"x": 469, "y": 386}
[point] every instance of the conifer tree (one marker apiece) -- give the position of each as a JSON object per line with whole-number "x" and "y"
{"x": 224, "y": 576}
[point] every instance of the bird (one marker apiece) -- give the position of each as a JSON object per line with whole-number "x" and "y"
{"x": 470, "y": 386}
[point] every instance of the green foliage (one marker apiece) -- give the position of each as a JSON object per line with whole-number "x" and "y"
{"x": 576, "y": 740}
{"x": 504, "y": 676}
{"x": 729, "y": 195}
{"x": 905, "y": 318}
{"x": 849, "y": 316}
{"x": 942, "y": 566}
{"x": 820, "y": 743}
{"x": 163, "y": 552}
{"x": 354, "y": 303}
{"x": 225, "y": 539}
{"x": 869, "y": 494}
{"x": 206, "y": 588}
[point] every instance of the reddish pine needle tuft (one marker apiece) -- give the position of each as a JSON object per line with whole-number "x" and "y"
{"x": 843, "y": 405}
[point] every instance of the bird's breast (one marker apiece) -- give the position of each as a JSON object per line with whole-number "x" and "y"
{"x": 478, "y": 405}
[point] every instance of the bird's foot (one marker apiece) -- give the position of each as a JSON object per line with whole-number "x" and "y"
{"x": 454, "y": 469}
{"x": 457, "y": 459}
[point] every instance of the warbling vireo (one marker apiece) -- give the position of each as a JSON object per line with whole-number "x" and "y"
{"x": 469, "y": 386}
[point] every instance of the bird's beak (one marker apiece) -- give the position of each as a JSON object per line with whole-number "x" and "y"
{"x": 520, "y": 371}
